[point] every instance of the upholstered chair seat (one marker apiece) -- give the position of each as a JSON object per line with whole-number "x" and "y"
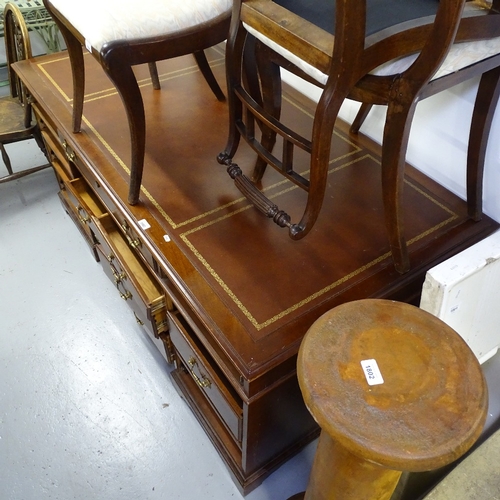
{"x": 100, "y": 23}
{"x": 459, "y": 56}
{"x": 124, "y": 33}
{"x": 377, "y": 52}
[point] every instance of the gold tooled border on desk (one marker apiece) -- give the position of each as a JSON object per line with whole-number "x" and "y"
{"x": 259, "y": 326}
{"x": 165, "y": 77}
{"x": 40, "y": 66}
{"x": 184, "y": 236}
{"x": 145, "y": 82}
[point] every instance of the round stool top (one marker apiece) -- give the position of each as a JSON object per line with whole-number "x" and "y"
{"x": 428, "y": 401}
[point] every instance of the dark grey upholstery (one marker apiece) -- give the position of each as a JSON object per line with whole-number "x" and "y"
{"x": 381, "y": 14}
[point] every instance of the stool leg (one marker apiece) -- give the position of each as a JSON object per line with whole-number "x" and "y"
{"x": 337, "y": 474}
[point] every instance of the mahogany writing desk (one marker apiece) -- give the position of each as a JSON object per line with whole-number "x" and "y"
{"x": 227, "y": 295}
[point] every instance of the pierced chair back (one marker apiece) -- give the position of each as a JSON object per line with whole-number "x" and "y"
{"x": 37, "y": 20}
{"x": 347, "y": 60}
{"x": 16, "y": 120}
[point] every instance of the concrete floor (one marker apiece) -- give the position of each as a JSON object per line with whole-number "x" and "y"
{"x": 87, "y": 407}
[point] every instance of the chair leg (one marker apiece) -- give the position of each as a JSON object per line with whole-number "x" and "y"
{"x": 394, "y": 146}
{"x": 270, "y": 79}
{"x": 360, "y": 118}
{"x": 325, "y": 116}
{"x": 125, "y": 82}
{"x": 324, "y": 121}
{"x": 37, "y": 135}
{"x": 484, "y": 108}
{"x": 234, "y": 62}
{"x": 6, "y": 159}
{"x": 75, "y": 52}
{"x": 251, "y": 81}
{"x": 206, "y": 70}
{"x": 155, "y": 79}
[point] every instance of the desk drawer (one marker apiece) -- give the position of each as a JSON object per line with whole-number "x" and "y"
{"x": 132, "y": 279}
{"x": 87, "y": 235}
{"x": 208, "y": 377}
{"x": 70, "y": 166}
{"x": 55, "y": 150}
{"x": 80, "y": 203}
{"x": 90, "y": 176}
{"x": 134, "y": 240}
{"x": 69, "y": 161}
{"x": 86, "y": 204}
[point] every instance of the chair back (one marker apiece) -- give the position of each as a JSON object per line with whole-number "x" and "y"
{"x": 386, "y": 52}
{"x": 353, "y": 45}
{"x": 17, "y": 48}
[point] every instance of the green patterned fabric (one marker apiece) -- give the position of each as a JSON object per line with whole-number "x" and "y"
{"x": 37, "y": 19}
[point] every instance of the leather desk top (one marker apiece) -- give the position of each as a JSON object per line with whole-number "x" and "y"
{"x": 249, "y": 282}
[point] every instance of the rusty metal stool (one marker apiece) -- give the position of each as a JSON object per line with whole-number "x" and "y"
{"x": 393, "y": 389}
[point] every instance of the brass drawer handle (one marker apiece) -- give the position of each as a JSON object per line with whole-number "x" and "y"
{"x": 82, "y": 215}
{"x": 118, "y": 277}
{"x": 70, "y": 155}
{"x": 203, "y": 382}
{"x": 139, "y": 321}
{"x": 134, "y": 243}
{"x": 125, "y": 296}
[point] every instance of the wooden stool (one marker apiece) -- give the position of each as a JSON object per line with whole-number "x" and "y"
{"x": 123, "y": 34}
{"x": 426, "y": 407}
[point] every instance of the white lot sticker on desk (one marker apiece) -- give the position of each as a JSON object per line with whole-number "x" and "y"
{"x": 144, "y": 224}
{"x": 372, "y": 372}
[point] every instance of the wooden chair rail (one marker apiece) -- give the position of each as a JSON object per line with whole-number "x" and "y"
{"x": 347, "y": 58}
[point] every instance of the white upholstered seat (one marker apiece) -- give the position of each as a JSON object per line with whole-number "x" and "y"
{"x": 101, "y": 22}
{"x": 460, "y": 55}
{"x": 377, "y": 52}
{"x": 124, "y": 33}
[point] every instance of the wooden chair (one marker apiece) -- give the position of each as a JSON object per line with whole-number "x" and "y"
{"x": 37, "y": 20}
{"x": 123, "y": 34}
{"x": 390, "y": 53}
{"x": 16, "y": 121}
